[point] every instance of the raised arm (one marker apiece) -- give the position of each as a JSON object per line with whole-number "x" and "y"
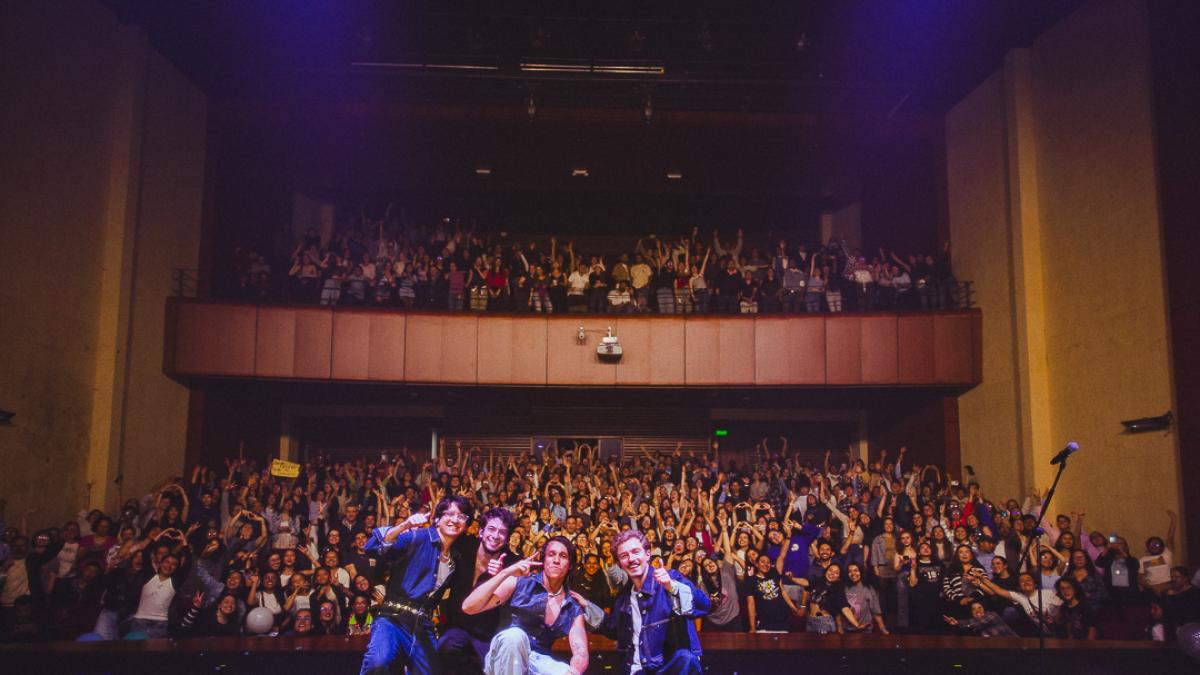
{"x": 497, "y": 590}
{"x": 1174, "y": 520}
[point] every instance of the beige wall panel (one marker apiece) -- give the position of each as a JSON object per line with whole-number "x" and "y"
{"x": 634, "y": 333}
{"x": 915, "y": 349}
{"x": 275, "y": 343}
{"x": 772, "y": 351}
{"x": 529, "y": 351}
{"x": 879, "y": 356}
{"x": 216, "y": 338}
{"x": 385, "y": 360}
{"x": 496, "y": 346}
{"x": 314, "y": 343}
{"x": 702, "y": 338}
{"x": 737, "y": 351}
{"x": 667, "y": 352}
{"x": 806, "y": 345}
{"x": 461, "y": 339}
{"x": 953, "y": 348}
{"x": 423, "y": 348}
{"x": 843, "y": 350}
{"x": 351, "y": 345}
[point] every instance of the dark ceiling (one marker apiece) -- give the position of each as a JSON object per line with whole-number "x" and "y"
{"x": 868, "y": 57}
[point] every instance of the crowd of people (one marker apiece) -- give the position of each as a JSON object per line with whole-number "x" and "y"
{"x": 447, "y": 268}
{"x": 772, "y": 545}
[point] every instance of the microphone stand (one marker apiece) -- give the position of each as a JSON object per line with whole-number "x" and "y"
{"x": 1036, "y": 535}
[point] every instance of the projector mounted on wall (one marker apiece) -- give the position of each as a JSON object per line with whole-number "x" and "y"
{"x": 609, "y": 350}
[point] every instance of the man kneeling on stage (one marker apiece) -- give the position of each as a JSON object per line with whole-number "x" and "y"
{"x": 422, "y": 560}
{"x": 542, "y": 611}
{"x": 652, "y": 617}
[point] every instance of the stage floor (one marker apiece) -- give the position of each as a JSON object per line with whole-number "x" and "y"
{"x": 724, "y": 653}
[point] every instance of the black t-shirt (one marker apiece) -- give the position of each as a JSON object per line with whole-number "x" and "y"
{"x": 831, "y": 598}
{"x": 1182, "y": 608}
{"x": 1074, "y": 622}
{"x": 363, "y": 564}
{"x": 481, "y": 626}
{"x": 594, "y": 588}
{"x": 929, "y": 578}
{"x": 770, "y": 608}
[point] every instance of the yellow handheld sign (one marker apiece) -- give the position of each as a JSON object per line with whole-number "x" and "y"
{"x": 284, "y": 468}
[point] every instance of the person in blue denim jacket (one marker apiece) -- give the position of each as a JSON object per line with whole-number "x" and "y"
{"x": 422, "y": 561}
{"x": 652, "y": 616}
{"x": 543, "y": 610}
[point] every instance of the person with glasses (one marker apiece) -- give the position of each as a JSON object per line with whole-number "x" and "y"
{"x": 422, "y": 562}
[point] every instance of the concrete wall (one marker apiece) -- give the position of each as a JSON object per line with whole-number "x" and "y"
{"x": 1054, "y": 215}
{"x": 101, "y": 181}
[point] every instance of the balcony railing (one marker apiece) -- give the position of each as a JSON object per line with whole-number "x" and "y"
{"x": 213, "y": 338}
{"x": 950, "y": 295}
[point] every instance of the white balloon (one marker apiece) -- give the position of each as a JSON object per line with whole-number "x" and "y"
{"x": 1188, "y": 636}
{"x": 259, "y": 620}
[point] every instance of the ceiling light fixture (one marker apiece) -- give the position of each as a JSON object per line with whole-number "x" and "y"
{"x": 598, "y": 68}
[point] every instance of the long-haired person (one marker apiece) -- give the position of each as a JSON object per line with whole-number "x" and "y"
{"x": 542, "y": 611}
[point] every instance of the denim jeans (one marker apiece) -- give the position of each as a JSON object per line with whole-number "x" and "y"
{"x": 682, "y": 662}
{"x": 401, "y": 642}
{"x": 152, "y": 629}
{"x": 106, "y": 625}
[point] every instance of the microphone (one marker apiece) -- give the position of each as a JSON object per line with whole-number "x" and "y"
{"x": 1066, "y": 452}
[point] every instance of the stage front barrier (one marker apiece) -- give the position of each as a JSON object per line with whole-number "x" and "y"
{"x": 723, "y": 653}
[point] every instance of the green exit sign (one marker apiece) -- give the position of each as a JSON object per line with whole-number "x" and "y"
{"x": 721, "y": 432}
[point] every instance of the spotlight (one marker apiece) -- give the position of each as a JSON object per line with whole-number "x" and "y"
{"x": 802, "y": 42}
{"x": 531, "y": 106}
{"x": 483, "y": 169}
{"x": 580, "y": 172}
{"x": 674, "y": 175}
{"x": 1160, "y": 423}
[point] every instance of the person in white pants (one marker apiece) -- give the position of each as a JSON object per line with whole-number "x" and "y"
{"x": 543, "y": 610}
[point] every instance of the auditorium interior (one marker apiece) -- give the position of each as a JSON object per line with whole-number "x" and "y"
{"x": 168, "y": 168}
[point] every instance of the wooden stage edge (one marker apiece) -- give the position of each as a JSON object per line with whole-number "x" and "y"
{"x": 711, "y": 642}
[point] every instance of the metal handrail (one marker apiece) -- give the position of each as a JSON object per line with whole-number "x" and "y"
{"x": 185, "y": 283}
